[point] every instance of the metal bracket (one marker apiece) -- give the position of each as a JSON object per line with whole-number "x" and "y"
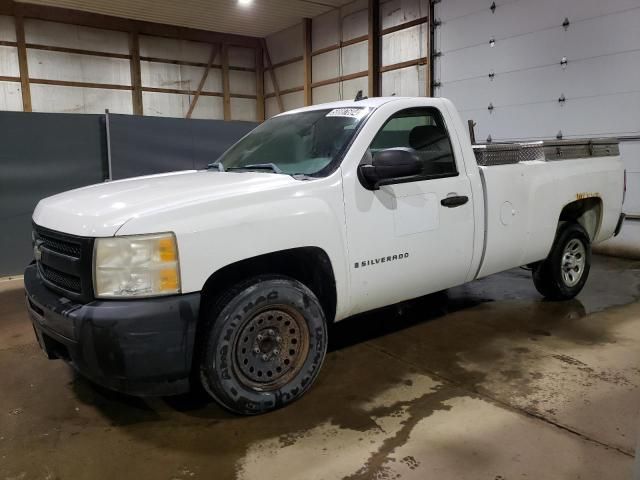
{"x": 490, "y": 107}
{"x": 563, "y": 62}
{"x": 492, "y": 42}
{"x": 436, "y": 84}
{"x": 436, "y": 54}
{"x": 491, "y": 76}
{"x": 559, "y": 135}
{"x": 493, "y": 7}
{"x": 562, "y": 99}
{"x": 436, "y": 23}
{"x": 489, "y": 139}
{"x": 566, "y": 23}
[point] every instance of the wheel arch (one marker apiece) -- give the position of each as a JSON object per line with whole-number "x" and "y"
{"x": 309, "y": 265}
{"x": 587, "y": 212}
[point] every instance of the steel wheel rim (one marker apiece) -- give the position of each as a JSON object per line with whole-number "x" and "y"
{"x": 573, "y": 262}
{"x": 271, "y": 347}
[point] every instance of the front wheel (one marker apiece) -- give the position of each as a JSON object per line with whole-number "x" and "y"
{"x": 263, "y": 345}
{"x": 564, "y": 272}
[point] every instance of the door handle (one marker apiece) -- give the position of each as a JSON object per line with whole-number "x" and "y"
{"x": 452, "y": 202}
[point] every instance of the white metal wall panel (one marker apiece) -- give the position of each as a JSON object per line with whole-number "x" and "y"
{"x": 286, "y": 44}
{"x": 325, "y": 31}
{"x": 9, "y": 66}
{"x": 242, "y": 82}
{"x": 74, "y": 36}
{"x": 177, "y": 105}
{"x": 350, "y": 88}
{"x": 290, "y": 101}
{"x": 405, "y": 82}
{"x": 7, "y": 29}
{"x": 243, "y": 109}
{"x": 404, "y": 45}
{"x": 355, "y": 58}
{"x": 172, "y": 49}
{"x": 80, "y": 68}
{"x": 10, "y": 96}
{"x": 355, "y": 24}
{"x": 54, "y": 98}
{"x": 327, "y": 93}
{"x": 187, "y": 77}
{"x": 242, "y": 57}
{"x": 210, "y": 108}
{"x": 325, "y": 66}
{"x": 396, "y": 12}
{"x": 290, "y": 75}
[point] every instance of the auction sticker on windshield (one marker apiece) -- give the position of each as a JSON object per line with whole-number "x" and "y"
{"x": 347, "y": 112}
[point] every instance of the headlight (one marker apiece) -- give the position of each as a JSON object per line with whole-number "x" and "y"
{"x": 136, "y": 266}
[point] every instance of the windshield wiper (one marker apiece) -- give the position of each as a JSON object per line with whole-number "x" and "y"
{"x": 217, "y": 165}
{"x": 258, "y": 166}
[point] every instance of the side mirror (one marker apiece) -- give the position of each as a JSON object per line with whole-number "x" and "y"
{"x": 389, "y": 165}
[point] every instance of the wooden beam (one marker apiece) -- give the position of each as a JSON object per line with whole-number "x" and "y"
{"x": 404, "y": 26}
{"x": 69, "y": 83}
{"x": 408, "y": 63}
{"x": 272, "y": 73}
{"x": 306, "y": 33}
{"x": 136, "y": 76}
{"x": 23, "y": 64}
{"x": 205, "y": 74}
{"x": 287, "y": 62}
{"x": 260, "y": 85}
{"x": 225, "y": 82}
{"x": 343, "y": 44}
{"x": 342, "y": 78}
{"x": 374, "y": 48}
{"x": 78, "y": 51}
{"x": 108, "y": 22}
{"x": 286, "y": 91}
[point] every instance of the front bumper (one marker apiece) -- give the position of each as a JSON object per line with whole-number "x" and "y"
{"x": 140, "y": 347}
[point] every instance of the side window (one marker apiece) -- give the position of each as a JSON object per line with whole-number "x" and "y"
{"x": 423, "y": 130}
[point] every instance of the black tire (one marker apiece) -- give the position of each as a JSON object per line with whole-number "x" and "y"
{"x": 560, "y": 277}
{"x": 263, "y": 343}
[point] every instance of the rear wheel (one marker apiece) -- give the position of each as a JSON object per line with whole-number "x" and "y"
{"x": 264, "y": 343}
{"x": 563, "y": 274}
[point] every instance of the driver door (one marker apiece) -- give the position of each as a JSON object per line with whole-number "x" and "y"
{"x": 410, "y": 238}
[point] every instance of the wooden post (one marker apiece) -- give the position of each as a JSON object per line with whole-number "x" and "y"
{"x": 22, "y": 63}
{"x": 306, "y": 31}
{"x": 225, "y": 82}
{"x": 373, "y": 39}
{"x": 205, "y": 74}
{"x": 260, "y": 84}
{"x": 272, "y": 73}
{"x": 136, "y": 76}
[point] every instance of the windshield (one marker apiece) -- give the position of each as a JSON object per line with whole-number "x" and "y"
{"x": 295, "y": 144}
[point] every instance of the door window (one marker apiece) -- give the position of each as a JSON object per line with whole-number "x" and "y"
{"x": 423, "y": 130}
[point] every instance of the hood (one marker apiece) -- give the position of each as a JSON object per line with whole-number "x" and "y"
{"x": 100, "y": 210}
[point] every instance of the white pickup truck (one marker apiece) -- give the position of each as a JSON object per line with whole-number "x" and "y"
{"x": 229, "y": 276}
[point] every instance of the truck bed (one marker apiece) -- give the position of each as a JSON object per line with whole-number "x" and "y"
{"x": 526, "y": 185}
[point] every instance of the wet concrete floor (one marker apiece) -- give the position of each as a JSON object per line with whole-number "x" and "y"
{"x": 484, "y": 381}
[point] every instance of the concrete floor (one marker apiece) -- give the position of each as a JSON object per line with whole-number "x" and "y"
{"x": 485, "y": 381}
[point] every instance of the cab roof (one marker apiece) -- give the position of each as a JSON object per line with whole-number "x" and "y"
{"x": 374, "y": 102}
